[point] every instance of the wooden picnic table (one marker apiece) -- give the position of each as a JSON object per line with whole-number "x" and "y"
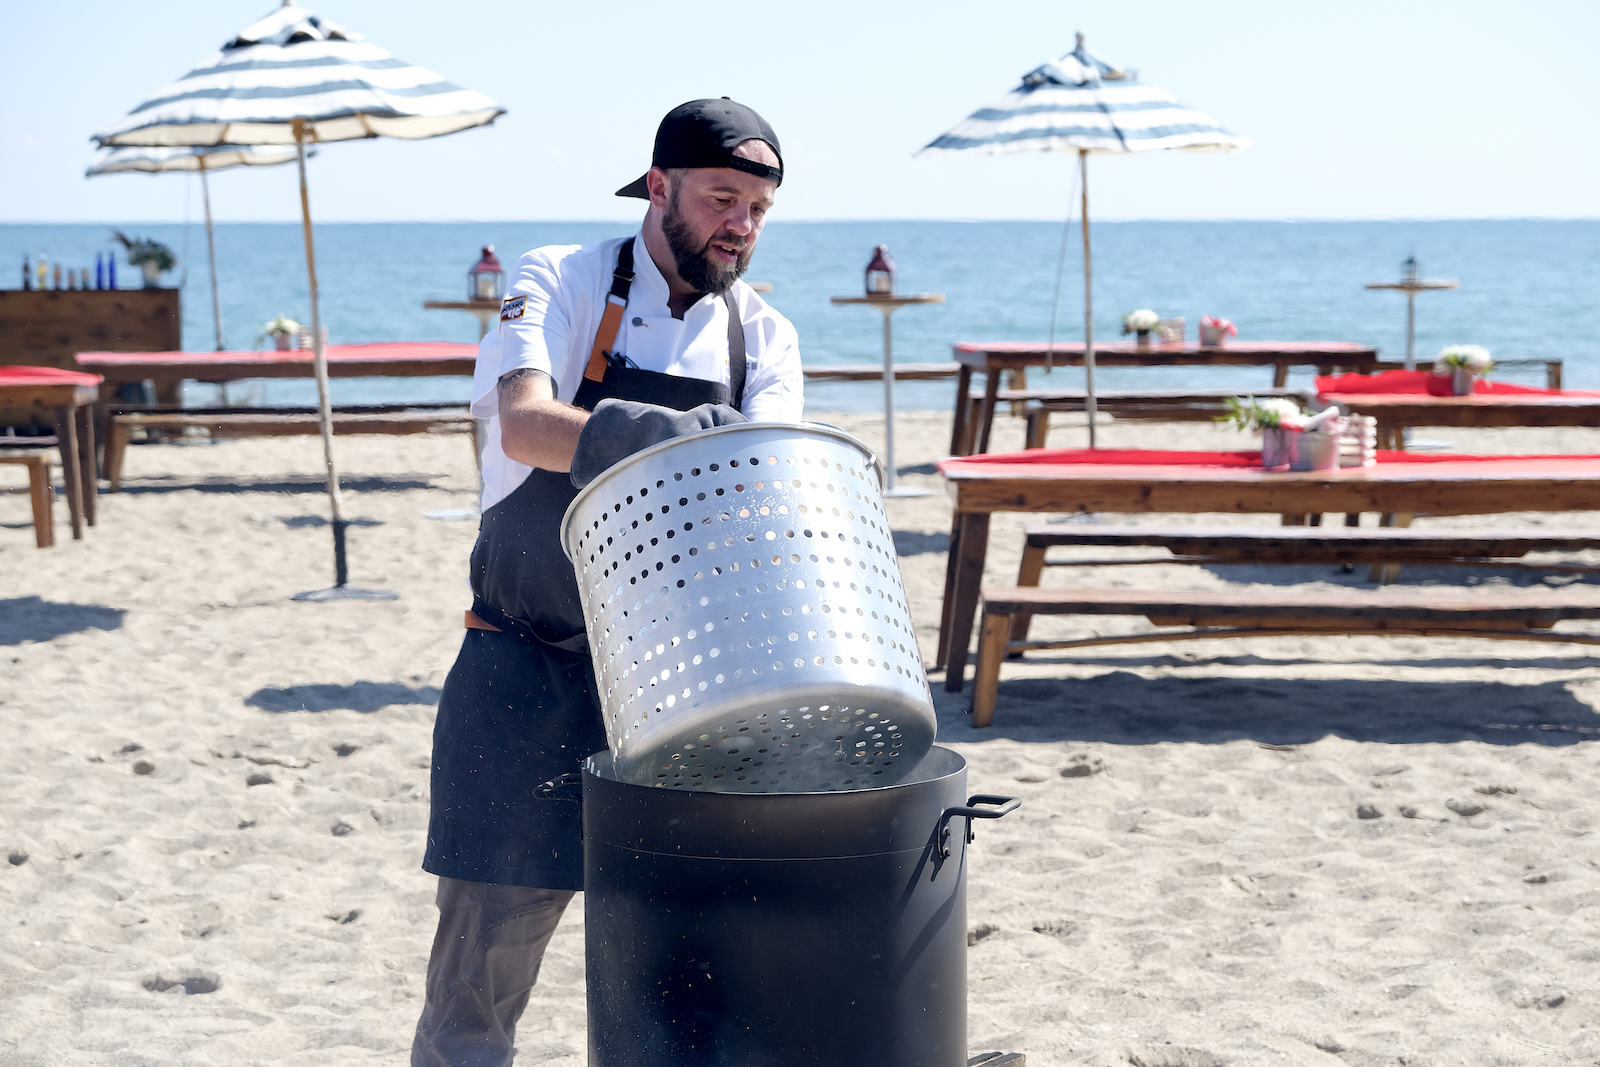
{"x": 1401, "y": 399}
{"x": 68, "y": 396}
{"x": 1142, "y": 481}
{"x": 991, "y": 358}
{"x": 406, "y": 359}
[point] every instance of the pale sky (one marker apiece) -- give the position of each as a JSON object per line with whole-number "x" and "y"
{"x": 1365, "y": 109}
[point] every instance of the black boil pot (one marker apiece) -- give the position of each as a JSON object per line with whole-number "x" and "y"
{"x": 779, "y": 929}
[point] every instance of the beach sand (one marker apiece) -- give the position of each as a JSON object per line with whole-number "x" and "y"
{"x": 213, "y": 800}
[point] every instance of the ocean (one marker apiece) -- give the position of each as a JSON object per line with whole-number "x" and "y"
{"x": 1530, "y": 289}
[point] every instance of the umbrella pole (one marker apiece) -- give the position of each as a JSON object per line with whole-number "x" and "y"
{"x": 320, "y": 362}
{"x": 1088, "y": 303}
{"x": 211, "y": 250}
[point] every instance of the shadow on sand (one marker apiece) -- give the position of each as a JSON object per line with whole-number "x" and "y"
{"x": 364, "y": 697}
{"x": 32, "y": 618}
{"x": 1126, "y": 709}
{"x": 307, "y": 484}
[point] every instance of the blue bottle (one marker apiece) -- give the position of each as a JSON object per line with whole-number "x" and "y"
{"x": 111, "y": 272}
{"x": 99, "y": 271}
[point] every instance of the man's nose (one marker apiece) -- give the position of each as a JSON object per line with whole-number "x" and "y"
{"x": 740, "y": 221}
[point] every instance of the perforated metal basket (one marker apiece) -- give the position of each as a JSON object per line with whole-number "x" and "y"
{"x": 746, "y": 614}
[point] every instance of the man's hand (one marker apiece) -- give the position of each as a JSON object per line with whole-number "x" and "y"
{"x": 536, "y": 429}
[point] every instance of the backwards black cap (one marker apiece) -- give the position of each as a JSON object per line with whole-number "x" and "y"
{"x": 704, "y": 133}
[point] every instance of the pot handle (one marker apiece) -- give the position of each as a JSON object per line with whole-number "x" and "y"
{"x": 1007, "y": 805}
{"x": 568, "y": 787}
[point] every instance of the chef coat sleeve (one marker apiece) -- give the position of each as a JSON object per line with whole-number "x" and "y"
{"x": 532, "y": 332}
{"x": 773, "y": 388}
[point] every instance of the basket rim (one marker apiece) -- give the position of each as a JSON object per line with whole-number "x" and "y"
{"x": 819, "y": 429}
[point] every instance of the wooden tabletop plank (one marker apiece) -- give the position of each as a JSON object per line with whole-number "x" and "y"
{"x": 1577, "y": 602}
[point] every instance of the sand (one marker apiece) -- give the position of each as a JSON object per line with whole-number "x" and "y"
{"x": 1306, "y": 851}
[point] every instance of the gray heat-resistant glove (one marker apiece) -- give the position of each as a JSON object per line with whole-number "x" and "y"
{"x": 619, "y": 428}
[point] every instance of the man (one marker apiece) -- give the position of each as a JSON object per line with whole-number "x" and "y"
{"x": 601, "y": 350}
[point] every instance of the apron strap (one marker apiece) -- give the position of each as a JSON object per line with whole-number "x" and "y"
{"x": 736, "y": 357}
{"x": 605, "y": 338}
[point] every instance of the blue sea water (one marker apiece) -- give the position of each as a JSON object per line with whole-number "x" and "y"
{"x": 1529, "y": 289}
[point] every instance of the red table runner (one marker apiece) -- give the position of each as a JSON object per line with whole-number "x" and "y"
{"x": 14, "y": 375}
{"x": 1139, "y": 457}
{"x": 1426, "y": 383}
{"x": 381, "y": 352}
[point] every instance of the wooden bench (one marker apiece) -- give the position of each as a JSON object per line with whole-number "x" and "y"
{"x": 1385, "y": 548}
{"x": 278, "y": 423}
{"x": 1512, "y": 614}
{"x": 41, "y": 494}
{"x": 873, "y": 372}
{"x": 1165, "y": 405}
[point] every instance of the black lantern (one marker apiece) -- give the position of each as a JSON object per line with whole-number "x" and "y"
{"x": 880, "y": 273}
{"x": 486, "y": 278}
{"x": 1410, "y": 270}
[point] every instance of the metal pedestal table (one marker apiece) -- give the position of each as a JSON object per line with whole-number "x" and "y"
{"x": 888, "y": 305}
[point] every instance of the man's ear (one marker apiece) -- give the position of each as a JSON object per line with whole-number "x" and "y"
{"x": 660, "y": 188}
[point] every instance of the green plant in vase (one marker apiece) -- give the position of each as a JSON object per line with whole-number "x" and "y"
{"x": 151, "y": 256}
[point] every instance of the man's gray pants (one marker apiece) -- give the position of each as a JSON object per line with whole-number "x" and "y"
{"x": 485, "y": 959}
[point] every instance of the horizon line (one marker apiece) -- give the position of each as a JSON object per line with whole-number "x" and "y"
{"x": 1296, "y": 220}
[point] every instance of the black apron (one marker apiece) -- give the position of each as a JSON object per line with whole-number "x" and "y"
{"x": 519, "y": 707}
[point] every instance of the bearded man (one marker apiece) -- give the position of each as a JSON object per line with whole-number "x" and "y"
{"x": 601, "y": 350}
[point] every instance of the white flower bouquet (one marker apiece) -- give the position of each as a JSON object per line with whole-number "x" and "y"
{"x": 1474, "y": 359}
{"x": 1142, "y": 321}
{"x": 281, "y": 330}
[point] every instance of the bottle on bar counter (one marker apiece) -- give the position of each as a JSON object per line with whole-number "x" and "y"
{"x": 43, "y": 271}
{"x": 99, "y": 271}
{"x": 58, "y": 276}
{"x": 27, "y": 272}
{"x": 111, "y": 271}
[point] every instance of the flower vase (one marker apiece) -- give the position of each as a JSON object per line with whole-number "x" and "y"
{"x": 1142, "y": 338}
{"x": 1461, "y": 382}
{"x": 152, "y": 274}
{"x": 1277, "y": 448}
{"x": 1212, "y": 336}
{"x": 280, "y": 341}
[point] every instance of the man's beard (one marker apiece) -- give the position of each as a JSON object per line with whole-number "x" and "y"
{"x": 694, "y": 262}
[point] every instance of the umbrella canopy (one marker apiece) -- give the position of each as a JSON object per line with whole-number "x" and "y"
{"x": 290, "y": 66}
{"x": 193, "y": 158}
{"x": 295, "y": 78}
{"x": 208, "y": 158}
{"x": 1084, "y": 103}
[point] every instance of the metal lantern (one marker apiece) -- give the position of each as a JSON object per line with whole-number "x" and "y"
{"x": 880, "y": 273}
{"x": 486, "y": 279}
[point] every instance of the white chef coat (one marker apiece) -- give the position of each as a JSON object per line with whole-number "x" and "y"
{"x": 564, "y": 291}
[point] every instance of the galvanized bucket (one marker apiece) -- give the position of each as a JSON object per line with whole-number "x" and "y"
{"x": 746, "y": 614}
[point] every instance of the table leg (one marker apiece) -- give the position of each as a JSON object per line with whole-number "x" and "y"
{"x": 169, "y": 391}
{"x": 950, "y": 557}
{"x": 967, "y": 560}
{"x": 88, "y": 481}
{"x": 1280, "y": 374}
{"x": 959, "y": 420}
{"x": 991, "y": 392}
{"x": 1384, "y": 573}
{"x": 67, "y": 431}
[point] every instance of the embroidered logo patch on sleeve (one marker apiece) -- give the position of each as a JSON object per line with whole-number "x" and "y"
{"x": 513, "y": 308}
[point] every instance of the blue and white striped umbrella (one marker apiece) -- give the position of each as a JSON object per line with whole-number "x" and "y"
{"x": 293, "y": 67}
{"x": 294, "y": 78}
{"x": 1085, "y": 104}
{"x": 207, "y": 159}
